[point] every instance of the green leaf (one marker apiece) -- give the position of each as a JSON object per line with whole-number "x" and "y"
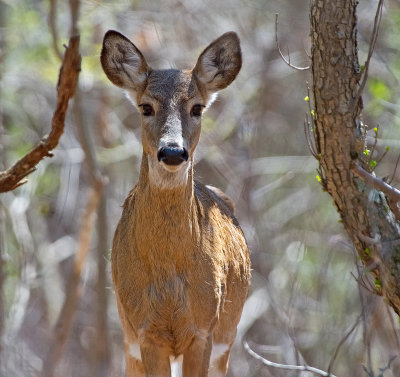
{"x": 376, "y": 130}
{"x": 372, "y": 163}
{"x": 367, "y": 152}
{"x": 367, "y": 251}
{"x": 318, "y": 178}
{"x": 306, "y": 98}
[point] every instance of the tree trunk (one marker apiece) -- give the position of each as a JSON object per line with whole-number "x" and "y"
{"x": 340, "y": 145}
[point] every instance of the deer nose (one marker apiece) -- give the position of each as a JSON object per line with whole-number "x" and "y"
{"x": 172, "y": 155}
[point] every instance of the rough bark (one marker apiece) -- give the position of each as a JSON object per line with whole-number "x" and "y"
{"x": 340, "y": 143}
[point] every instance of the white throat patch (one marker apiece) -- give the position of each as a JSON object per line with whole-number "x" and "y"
{"x": 167, "y": 178}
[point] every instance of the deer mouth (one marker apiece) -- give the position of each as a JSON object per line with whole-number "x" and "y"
{"x": 173, "y": 168}
{"x": 168, "y": 176}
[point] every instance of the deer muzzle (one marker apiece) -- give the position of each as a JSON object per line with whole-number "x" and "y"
{"x": 172, "y": 155}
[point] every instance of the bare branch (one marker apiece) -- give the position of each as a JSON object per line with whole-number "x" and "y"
{"x": 300, "y": 368}
{"x": 67, "y": 80}
{"x": 287, "y": 61}
{"x": 391, "y": 192}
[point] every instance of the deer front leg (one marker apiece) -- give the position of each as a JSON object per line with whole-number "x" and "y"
{"x": 196, "y": 358}
{"x": 155, "y": 361}
{"x": 134, "y": 365}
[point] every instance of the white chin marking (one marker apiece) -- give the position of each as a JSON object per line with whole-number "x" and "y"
{"x": 167, "y": 177}
{"x": 176, "y": 366}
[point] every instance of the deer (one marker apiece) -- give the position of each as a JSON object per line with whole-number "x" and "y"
{"x": 180, "y": 263}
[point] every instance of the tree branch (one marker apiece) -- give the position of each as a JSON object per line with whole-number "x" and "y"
{"x": 391, "y": 192}
{"x": 300, "y": 368}
{"x": 68, "y": 78}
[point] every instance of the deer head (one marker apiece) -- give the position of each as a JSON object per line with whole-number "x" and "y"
{"x": 171, "y": 101}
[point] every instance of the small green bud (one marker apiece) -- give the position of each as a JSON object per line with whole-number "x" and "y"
{"x": 318, "y": 178}
{"x": 306, "y": 98}
{"x": 372, "y": 163}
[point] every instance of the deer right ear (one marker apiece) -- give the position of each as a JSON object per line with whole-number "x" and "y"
{"x": 122, "y": 62}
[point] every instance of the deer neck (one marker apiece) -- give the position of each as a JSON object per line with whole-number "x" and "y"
{"x": 175, "y": 203}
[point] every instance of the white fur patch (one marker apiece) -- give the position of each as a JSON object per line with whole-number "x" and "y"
{"x": 218, "y": 350}
{"x": 212, "y": 98}
{"x": 134, "y": 351}
{"x": 167, "y": 179}
{"x": 176, "y": 366}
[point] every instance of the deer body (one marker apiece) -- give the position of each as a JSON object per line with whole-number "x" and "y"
{"x": 180, "y": 262}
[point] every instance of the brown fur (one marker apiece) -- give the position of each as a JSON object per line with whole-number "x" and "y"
{"x": 180, "y": 263}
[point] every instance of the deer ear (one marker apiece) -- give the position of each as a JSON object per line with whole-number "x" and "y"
{"x": 122, "y": 61}
{"x": 219, "y": 64}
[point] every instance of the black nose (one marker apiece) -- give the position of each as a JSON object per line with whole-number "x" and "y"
{"x": 172, "y": 155}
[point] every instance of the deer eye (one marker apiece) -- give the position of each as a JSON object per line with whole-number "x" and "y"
{"x": 147, "y": 110}
{"x": 196, "y": 110}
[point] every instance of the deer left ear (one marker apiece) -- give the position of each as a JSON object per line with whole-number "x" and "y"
{"x": 219, "y": 64}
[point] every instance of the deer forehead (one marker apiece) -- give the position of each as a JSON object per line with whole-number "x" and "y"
{"x": 171, "y": 87}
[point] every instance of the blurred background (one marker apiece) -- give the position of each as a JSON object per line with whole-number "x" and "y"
{"x": 308, "y": 290}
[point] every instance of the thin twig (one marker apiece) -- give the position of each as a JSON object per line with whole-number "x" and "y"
{"x": 53, "y": 28}
{"x": 394, "y": 330}
{"x": 67, "y": 80}
{"x": 387, "y": 367}
{"x": 301, "y": 368}
{"x": 374, "y": 37}
{"x": 280, "y": 51}
{"x": 307, "y": 127}
{"x": 394, "y": 171}
{"x": 362, "y": 283}
{"x": 373, "y": 147}
{"x": 382, "y": 157}
{"x": 345, "y": 337}
{"x": 370, "y": 372}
